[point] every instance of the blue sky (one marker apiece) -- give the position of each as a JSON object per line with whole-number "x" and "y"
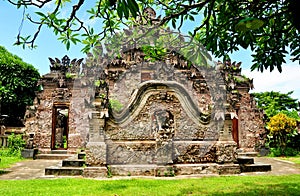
{"x": 49, "y": 46}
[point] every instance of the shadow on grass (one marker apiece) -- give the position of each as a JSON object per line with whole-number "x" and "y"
{"x": 271, "y": 189}
{"x": 4, "y": 171}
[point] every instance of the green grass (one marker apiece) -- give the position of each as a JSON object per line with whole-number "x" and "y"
{"x": 295, "y": 159}
{"x": 7, "y": 162}
{"x": 224, "y": 185}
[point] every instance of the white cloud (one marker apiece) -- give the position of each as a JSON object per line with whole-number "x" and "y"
{"x": 90, "y": 22}
{"x": 288, "y": 80}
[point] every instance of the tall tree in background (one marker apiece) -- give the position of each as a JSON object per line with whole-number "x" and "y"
{"x": 17, "y": 85}
{"x": 274, "y": 102}
{"x": 281, "y": 122}
{"x": 270, "y": 28}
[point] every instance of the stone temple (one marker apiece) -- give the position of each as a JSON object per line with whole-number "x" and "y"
{"x": 146, "y": 117}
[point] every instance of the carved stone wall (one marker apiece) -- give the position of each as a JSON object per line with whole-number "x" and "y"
{"x": 250, "y": 123}
{"x": 161, "y": 111}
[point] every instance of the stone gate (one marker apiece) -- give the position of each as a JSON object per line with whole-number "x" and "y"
{"x": 139, "y": 117}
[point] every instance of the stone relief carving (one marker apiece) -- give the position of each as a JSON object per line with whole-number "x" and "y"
{"x": 163, "y": 125}
{"x": 194, "y": 153}
{"x": 101, "y": 101}
{"x": 61, "y": 94}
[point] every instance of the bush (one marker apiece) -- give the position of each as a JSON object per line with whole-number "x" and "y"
{"x": 277, "y": 152}
{"x": 283, "y": 135}
{"x": 15, "y": 145}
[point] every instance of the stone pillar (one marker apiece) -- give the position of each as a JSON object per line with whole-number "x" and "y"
{"x": 96, "y": 147}
{"x": 164, "y": 153}
{"x": 225, "y": 133}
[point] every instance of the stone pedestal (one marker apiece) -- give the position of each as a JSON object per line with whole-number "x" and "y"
{"x": 96, "y": 154}
{"x": 226, "y": 152}
{"x": 29, "y": 153}
{"x": 164, "y": 151}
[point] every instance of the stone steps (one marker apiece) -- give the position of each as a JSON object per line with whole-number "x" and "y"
{"x": 174, "y": 170}
{"x": 248, "y": 154}
{"x": 246, "y": 162}
{"x": 255, "y": 167}
{"x": 59, "y": 152}
{"x": 72, "y": 165}
{"x": 64, "y": 171}
{"x": 53, "y": 156}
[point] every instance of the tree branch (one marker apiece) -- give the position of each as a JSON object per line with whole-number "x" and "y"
{"x": 186, "y": 9}
{"x": 30, "y": 2}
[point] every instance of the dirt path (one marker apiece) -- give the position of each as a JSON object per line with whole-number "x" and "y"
{"x": 28, "y": 169}
{"x": 35, "y": 169}
{"x": 279, "y": 167}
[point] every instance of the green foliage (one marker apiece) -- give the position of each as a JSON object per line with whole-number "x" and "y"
{"x": 7, "y": 159}
{"x": 274, "y": 102}
{"x": 283, "y": 138}
{"x": 17, "y": 83}
{"x": 269, "y": 28}
{"x": 291, "y": 114}
{"x": 65, "y": 141}
{"x": 277, "y": 152}
{"x": 15, "y": 144}
{"x": 71, "y": 75}
{"x": 282, "y": 118}
{"x": 154, "y": 53}
{"x": 109, "y": 173}
{"x": 115, "y": 105}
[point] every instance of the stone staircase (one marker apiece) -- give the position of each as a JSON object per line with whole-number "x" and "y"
{"x": 54, "y": 155}
{"x": 246, "y": 162}
{"x": 74, "y": 165}
{"x": 71, "y": 166}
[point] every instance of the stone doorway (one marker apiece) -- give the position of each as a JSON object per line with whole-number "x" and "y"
{"x": 60, "y": 127}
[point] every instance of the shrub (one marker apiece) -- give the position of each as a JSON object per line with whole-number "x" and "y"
{"x": 281, "y": 123}
{"x": 283, "y": 135}
{"x": 288, "y": 151}
{"x": 15, "y": 144}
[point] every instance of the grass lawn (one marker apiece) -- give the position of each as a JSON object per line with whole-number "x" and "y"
{"x": 6, "y": 162}
{"x": 223, "y": 185}
{"x": 295, "y": 159}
